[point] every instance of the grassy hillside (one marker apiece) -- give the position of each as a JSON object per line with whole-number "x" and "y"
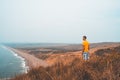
{"x": 105, "y": 65}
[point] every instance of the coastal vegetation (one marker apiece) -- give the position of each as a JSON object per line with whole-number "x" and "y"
{"x": 104, "y": 65}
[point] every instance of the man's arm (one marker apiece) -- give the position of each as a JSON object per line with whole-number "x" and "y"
{"x": 88, "y": 47}
{"x": 83, "y": 48}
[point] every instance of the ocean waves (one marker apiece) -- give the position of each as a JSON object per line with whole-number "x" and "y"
{"x": 12, "y": 64}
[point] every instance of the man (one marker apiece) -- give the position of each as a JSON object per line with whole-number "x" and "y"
{"x": 85, "y": 50}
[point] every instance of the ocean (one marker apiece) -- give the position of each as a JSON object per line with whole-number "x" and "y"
{"x": 10, "y": 63}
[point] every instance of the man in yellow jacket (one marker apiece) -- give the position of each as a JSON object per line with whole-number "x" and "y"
{"x": 85, "y": 50}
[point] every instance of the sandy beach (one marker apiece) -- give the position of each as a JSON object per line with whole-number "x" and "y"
{"x": 31, "y": 60}
{"x": 66, "y": 62}
{"x": 44, "y": 57}
{"x": 50, "y": 55}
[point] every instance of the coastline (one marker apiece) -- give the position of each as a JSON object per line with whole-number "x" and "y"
{"x": 30, "y": 60}
{"x": 23, "y": 61}
{"x": 23, "y": 67}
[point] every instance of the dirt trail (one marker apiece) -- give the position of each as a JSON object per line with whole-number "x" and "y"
{"x": 92, "y": 50}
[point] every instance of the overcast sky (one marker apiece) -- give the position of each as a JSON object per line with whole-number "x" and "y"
{"x": 59, "y": 21}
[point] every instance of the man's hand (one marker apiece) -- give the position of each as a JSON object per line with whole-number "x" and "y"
{"x": 82, "y": 52}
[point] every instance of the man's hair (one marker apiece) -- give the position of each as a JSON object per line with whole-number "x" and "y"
{"x": 85, "y": 37}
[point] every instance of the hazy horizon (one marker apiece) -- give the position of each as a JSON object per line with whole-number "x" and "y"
{"x": 59, "y": 21}
{"x": 59, "y": 43}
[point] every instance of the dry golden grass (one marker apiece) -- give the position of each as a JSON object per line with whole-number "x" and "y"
{"x": 103, "y": 67}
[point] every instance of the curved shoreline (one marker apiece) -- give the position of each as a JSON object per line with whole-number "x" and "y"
{"x": 30, "y": 60}
{"x": 23, "y": 68}
{"x": 23, "y": 62}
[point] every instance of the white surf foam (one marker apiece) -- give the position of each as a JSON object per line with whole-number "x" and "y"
{"x": 23, "y": 63}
